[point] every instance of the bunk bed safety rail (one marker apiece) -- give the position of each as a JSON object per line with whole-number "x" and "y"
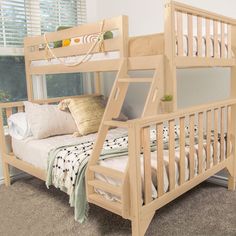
{"x": 203, "y": 147}
{"x": 76, "y": 42}
{"x": 201, "y": 33}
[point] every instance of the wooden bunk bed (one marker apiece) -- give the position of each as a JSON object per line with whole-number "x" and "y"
{"x": 164, "y": 54}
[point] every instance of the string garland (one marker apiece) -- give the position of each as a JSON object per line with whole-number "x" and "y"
{"x": 86, "y": 57}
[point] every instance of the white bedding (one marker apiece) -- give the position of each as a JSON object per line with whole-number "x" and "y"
{"x": 75, "y": 59}
{"x": 195, "y": 46}
{"x": 23, "y": 149}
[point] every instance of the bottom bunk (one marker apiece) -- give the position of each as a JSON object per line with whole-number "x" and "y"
{"x": 143, "y": 166}
{"x": 59, "y": 156}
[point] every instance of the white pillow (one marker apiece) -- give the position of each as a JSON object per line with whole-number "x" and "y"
{"x": 18, "y": 126}
{"x": 48, "y": 120}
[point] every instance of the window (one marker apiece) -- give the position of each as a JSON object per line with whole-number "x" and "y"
{"x": 64, "y": 85}
{"x": 29, "y": 17}
{"x": 19, "y": 18}
{"x": 12, "y": 79}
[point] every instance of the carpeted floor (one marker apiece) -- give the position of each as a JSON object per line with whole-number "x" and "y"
{"x": 27, "y": 208}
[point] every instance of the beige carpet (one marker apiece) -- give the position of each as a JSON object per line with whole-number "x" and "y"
{"x": 27, "y": 208}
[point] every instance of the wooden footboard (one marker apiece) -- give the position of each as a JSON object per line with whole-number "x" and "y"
{"x": 209, "y": 123}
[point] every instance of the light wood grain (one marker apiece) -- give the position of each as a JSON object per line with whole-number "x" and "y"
{"x": 172, "y": 179}
{"x": 182, "y": 150}
{"x": 191, "y": 146}
{"x": 147, "y": 166}
{"x": 160, "y": 161}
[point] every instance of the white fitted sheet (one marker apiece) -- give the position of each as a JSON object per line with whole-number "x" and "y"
{"x": 75, "y": 59}
{"x": 35, "y": 151}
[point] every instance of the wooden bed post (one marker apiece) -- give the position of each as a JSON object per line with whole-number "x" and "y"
{"x": 29, "y": 81}
{"x": 232, "y": 169}
{"x": 170, "y": 53}
{"x": 3, "y": 151}
{"x": 135, "y": 179}
{"x": 97, "y": 82}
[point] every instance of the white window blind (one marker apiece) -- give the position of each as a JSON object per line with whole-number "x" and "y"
{"x": 19, "y": 18}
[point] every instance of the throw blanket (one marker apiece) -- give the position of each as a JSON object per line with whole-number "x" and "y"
{"x": 67, "y": 166}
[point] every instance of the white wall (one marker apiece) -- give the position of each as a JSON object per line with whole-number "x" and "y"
{"x": 147, "y": 17}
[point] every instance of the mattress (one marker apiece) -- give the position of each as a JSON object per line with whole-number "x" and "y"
{"x": 75, "y": 59}
{"x": 36, "y": 153}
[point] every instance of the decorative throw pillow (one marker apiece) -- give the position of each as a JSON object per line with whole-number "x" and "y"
{"x": 48, "y": 120}
{"x": 86, "y": 111}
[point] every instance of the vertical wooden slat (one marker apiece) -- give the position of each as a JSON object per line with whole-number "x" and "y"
{"x": 180, "y": 35}
{"x": 229, "y": 43}
{"x": 208, "y": 38}
{"x": 216, "y": 122}
{"x": 171, "y": 154}
{"x": 222, "y": 133}
{"x": 9, "y": 112}
{"x": 216, "y": 40}
{"x": 199, "y": 36}
{"x": 160, "y": 161}
{"x": 135, "y": 173}
{"x": 222, "y": 39}
{"x": 190, "y": 35}
{"x": 200, "y": 142}
{"x": 20, "y": 109}
{"x": 182, "y": 150}
{"x": 191, "y": 151}
{"x": 147, "y": 165}
{"x": 208, "y": 145}
{"x": 229, "y": 127}
{"x": 97, "y": 82}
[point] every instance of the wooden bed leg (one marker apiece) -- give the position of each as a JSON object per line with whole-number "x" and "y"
{"x": 140, "y": 226}
{"x": 136, "y": 228}
{"x": 231, "y": 183}
{"x": 6, "y": 174}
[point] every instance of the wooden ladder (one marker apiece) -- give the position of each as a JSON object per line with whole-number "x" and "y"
{"x": 113, "y": 109}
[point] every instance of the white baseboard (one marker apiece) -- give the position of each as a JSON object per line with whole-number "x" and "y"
{"x": 219, "y": 180}
{"x": 14, "y": 177}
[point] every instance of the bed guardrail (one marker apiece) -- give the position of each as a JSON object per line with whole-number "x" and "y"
{"x": 87, "y": 38}
{"x": 200, "y": 34}
{"x": 212, "y": 151}
{"x": 209, "y": 121}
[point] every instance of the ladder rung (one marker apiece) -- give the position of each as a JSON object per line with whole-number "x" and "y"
{"x": 107, "y": 171}
{"x": 116, "y": 123}
{"x": 135, "y": 80}
{"x": 106, "y": 187}
{"x": 99, "y": 200}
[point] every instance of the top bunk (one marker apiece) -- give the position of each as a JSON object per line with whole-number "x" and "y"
{"x": 192, "y": 38}
{"x": 94, "y": 47}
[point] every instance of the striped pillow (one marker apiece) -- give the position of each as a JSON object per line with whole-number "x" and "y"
{"x": 86, "y": 111}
